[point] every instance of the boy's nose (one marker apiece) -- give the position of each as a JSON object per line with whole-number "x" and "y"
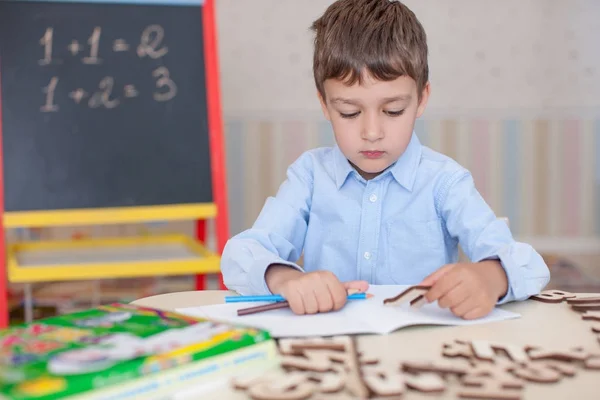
{"x": 372, "y": 130}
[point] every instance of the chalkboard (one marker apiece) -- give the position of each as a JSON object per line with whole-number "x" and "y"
{"x": 103, "y": 105}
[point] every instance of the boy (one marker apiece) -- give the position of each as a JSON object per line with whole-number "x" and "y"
{"x": 378, "y": 207}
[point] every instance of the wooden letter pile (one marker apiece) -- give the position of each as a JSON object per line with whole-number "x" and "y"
{"x": 320, "y": 368}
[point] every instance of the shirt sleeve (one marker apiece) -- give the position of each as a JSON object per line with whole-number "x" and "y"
{"x": 483, "y": 236}
{"x": 277, "y": 236}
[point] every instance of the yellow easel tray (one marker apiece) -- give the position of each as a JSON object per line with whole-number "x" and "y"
{"x": 109, "y": 258}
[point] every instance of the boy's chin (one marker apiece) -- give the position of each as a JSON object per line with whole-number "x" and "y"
{"x": 373, "y": 169}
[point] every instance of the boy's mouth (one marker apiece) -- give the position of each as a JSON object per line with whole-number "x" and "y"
{"x": 373, "y": 154}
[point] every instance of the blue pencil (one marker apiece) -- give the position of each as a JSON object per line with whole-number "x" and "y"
{"x": 277, "y": 297}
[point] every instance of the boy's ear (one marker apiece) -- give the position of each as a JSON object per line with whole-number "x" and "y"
{"x": 424, "y": 99}
{"x": 323, "y": 106}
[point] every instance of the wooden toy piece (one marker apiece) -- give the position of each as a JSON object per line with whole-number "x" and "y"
{"x": 591, "y": 315}
{"x": 414, "y": 295}
{"x": 485, "y": 350}
{"x": 490, "y": 381}
{"x": 328, "y": 382}
{"x": 586, "y": 307}
{"x": 489, "y": 391}
{"x": 538, "y": 373}
{"x": 577, "y": 354}
{"x": 584, "y": 300}
{"x": 458, "y": 348}
{"x": 553, "y": 296}
{"x": 288, "y": 387}
{"x": 365, "y": 359}
{"x": 441, "y": 367}
{"x": 592, "y": 362}
{"x": 298, "y": 345}
{"x": 562, "y": 367}
{"x": 278, "y": 382}
{"x": 383, "y": 382}
{"x": 354, "y": 382}
{"x": 483, "y": 373}
{"x": 316, "y": 356}
{"x": 419, "y": 301}
{"x": 311, "y": 360}
{"x": 426, "y": 383}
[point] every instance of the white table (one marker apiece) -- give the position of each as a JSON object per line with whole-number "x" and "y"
{"x": 553, "y": 326}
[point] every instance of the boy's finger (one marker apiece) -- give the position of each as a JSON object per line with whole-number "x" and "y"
{"x": 338, "y": 294}
{"x": 475, "y": 313}
{"x": 324, "y": 298}
{"x": 442, "y": 286}
{"x": 454, "y": 297}
{"x": 361, "y": 286}
{"x": 464, "y": 308}
{"x": 311, "y": 304}
{"x": 295, "y": 299}
{"x": 436, "y": 275}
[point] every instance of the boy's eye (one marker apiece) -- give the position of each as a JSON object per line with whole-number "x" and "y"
{"x": 350, "y": 115}
{"x": 394, "y": 113}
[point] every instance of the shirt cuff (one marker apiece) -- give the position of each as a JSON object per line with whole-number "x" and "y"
{"x": 514, "y": 260}
{"x": 257, "y": 280}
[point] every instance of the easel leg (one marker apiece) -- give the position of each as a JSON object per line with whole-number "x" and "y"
{"x": 28, "y": 303}
{"x": 201, "y": 236}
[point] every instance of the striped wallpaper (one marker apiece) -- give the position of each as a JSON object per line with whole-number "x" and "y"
{"x": 543, "y": 174}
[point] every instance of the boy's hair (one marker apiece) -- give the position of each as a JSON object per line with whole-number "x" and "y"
{"x": 382, "y": 37}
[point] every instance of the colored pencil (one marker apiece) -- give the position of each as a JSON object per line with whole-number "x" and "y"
{"x": 266, "y": 307}
{"x": 284, "y": 304}
{"x": 277, "y": 297}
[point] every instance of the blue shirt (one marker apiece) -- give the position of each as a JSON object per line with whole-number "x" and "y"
{"x": 394, "y": 229}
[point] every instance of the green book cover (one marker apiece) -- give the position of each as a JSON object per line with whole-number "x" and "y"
{"x": 72, "y": 354}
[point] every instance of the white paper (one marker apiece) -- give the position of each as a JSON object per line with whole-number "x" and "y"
{"x": 357, "y": 316}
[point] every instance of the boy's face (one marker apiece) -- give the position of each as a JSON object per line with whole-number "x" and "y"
{"x": 373, "y": 122}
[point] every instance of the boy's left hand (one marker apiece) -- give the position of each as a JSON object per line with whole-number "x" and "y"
{"x": 469, "y": 290}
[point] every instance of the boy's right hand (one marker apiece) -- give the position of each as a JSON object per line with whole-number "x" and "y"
{"x": 312, "y": 292}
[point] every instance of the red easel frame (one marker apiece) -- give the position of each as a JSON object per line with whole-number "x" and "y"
{"x": 216, "y": 136}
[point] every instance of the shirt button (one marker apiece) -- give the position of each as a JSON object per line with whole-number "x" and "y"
{"x": 367, "y": 255}
{"x": 373, "y": 198}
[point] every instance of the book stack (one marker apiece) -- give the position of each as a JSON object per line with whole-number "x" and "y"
{"x": 123, "y": 351}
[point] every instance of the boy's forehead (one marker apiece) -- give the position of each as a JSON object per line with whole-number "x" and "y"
{"x": 402, "y": 88}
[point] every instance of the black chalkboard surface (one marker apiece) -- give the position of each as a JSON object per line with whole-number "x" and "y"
{"x": 103, "y": 105}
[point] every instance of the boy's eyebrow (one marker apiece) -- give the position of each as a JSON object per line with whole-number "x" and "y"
{"x": 385, "y": 100}
{"x": 406, "y": 97}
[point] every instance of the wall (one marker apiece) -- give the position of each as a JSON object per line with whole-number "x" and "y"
{"x": 515, "y": 98}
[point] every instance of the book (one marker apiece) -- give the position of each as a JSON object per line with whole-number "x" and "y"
{"x": 370, "y": 316}
{"x": 194, "y": 379}
{"x": 119, "y": 350}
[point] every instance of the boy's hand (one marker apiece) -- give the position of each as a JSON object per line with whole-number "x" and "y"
{"x": 469, "y": 290}
{"x": 313, "y": 292}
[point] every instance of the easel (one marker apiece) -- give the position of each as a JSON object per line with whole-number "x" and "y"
{"x": 20, "y": 262}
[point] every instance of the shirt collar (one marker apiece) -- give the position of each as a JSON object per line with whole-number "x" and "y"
{"x": 342, "y": 167}
{"x": 404, "y": 170}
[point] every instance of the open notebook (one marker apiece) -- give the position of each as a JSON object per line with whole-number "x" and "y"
{"x": 357, "y": 316}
